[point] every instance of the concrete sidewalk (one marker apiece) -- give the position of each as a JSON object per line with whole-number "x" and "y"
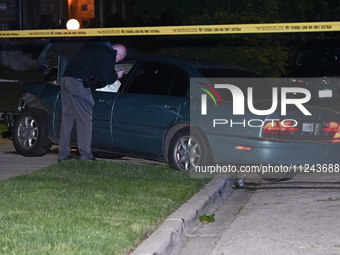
{"x": 12, "y": 164}
{"x": 300, "y": 216}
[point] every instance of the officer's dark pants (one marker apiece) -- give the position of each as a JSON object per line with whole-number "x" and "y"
{"x": 77, "y": 104}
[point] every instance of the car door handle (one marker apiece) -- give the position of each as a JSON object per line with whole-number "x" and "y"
{"x": 105, "y": 101}
{"x": 170, "y": 107}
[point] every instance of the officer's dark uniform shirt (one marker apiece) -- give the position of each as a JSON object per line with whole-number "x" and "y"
{"x": 97, "y": 58}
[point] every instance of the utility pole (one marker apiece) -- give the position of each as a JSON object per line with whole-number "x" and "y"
{"x": 20, "y": 9}
{"x": 100, "y": 13}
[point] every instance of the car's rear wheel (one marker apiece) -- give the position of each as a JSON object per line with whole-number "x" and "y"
{"x": 30, "y": 137}
{"x": 189, "y": 149}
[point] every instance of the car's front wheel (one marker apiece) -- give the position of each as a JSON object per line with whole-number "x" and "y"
{"x": 30, "y": 137}
{"x": 189, "y": 149}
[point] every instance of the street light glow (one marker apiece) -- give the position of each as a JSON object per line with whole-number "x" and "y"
{"x": 72, "y": 24}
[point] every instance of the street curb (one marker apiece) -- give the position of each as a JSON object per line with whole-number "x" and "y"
{"x": 169, "y": 235}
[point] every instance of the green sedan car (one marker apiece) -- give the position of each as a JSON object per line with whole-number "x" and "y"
{"x": 171, "y": 109}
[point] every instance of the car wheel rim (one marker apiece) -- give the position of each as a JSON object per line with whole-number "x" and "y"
{"x": 28, "y": 132}
{"x": 187, "y": 153}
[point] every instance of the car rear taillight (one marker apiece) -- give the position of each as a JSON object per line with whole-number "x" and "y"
{"x": 271, "y": 128}
{"x": 331, "y": 129}
{"x": 280, "y": 128}
{"x": 243, "y": 148}
{"x": 288, "y": 128}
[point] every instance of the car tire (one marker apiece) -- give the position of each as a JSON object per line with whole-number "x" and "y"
{"x": 189, "y": 148}
{"x": 30, "y": 135}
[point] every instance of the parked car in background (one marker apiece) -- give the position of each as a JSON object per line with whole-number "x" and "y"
{"x": 156, "y": 113}
{"x": 317, "y": 67}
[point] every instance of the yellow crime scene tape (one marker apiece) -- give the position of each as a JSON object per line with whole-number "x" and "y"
{"x": 179, "y": 30}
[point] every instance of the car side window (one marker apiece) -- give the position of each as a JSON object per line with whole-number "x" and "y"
{"x": 158, "y": 79}
{"x": 180, "y": 85}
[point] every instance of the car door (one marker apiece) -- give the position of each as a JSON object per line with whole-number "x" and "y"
{"x": 102, "y": 111}
{"x": 104, "y": 99}
{"x": 151, "y": 104}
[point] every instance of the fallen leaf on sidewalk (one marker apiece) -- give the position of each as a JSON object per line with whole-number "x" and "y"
{"x": 207, "y": 218}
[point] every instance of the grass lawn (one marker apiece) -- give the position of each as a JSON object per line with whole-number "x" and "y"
{"x": 88, "y": 207}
